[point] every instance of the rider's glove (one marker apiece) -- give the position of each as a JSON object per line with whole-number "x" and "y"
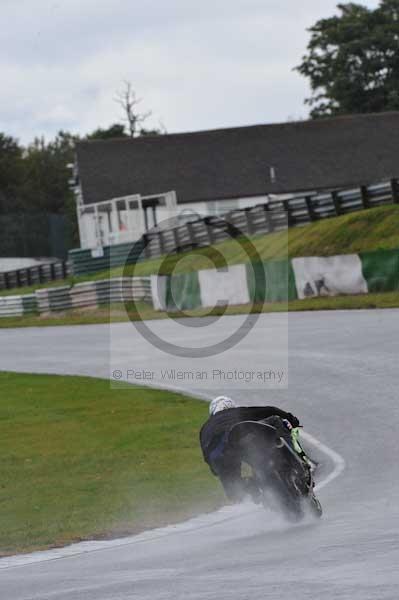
{"x": 292, "y": 419}
{"x": 287, "y": 424}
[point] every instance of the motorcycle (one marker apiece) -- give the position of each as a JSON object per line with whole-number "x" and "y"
{"x": 279, "y": 474}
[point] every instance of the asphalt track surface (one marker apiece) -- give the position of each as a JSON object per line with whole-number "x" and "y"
{"x": 343, "y": 370}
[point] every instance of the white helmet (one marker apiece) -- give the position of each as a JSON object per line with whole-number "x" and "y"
{"x": 221, "y": 403}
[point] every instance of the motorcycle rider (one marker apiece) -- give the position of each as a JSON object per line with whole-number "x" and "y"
{"x": 223, "y": 461}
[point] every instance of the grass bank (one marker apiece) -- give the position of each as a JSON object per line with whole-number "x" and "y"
{"x": 81, "y": 461}
{"x": 361, "y": 231}
{"x": 367, "y": 230}
{"x": 117, "y": 314}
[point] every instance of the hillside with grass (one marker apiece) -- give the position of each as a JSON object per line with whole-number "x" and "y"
{"x": 373, "y": 229}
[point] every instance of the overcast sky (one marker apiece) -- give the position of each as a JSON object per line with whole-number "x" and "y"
{"x": 197, "y": 64}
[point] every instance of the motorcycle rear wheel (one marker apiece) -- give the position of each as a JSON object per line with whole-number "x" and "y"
{"x": 315, "y": 506}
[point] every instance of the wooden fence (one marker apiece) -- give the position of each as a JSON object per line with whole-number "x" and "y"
{"x": 34, "y": 275}
{"x": 266, "y": 218}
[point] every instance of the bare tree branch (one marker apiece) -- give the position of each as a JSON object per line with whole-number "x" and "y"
{"x": 128, "y": 100}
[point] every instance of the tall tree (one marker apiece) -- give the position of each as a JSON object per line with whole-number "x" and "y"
{"x": 11, "y": 169}
{"x": 353, "y": 61}
{"x": 46, "y": 173}
{"x": 117, "y": 130}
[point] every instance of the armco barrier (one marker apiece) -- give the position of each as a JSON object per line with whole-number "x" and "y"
{"x": 263, "y": 218}
{"x": 84, "y": 263}
{"x": 41, "y": 273}
{"x": 123, "y": 289}
{"x": 93, "y": 294}
{"x": 273, "y": 216}
{"x": 53, "y": 299}
{"x": 83, "y": 295}
{"x": 270, "y": 281}
{"x": 17, "y": 306}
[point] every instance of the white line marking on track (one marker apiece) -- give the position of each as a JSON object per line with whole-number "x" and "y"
{"x": 338, "y": 460}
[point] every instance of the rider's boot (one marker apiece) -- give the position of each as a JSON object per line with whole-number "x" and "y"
{"x": 310, "y": 465}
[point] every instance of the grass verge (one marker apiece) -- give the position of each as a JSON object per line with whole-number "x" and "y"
{"x": 373, "y": 229}
{"x": 82, "y": 461}
{"x": 117, "y": 314}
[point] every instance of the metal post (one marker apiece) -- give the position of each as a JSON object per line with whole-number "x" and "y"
{"x": 146, "y": 242}
{"x": 97, "y": 226}
{"x": 82, "y": 237}
{"x": 113, "y": 222}
{"x": 145, "y": 218}
{"x": 249, "y": 221}
{"x": 161, "y": 242}
{"x": 336, "y": 202}
{"x": 268, "y": 217}
{"x": 154, "y": 215}
{"x": 140, "y": 224}
{"x": 209, "y": 229}
{"x": 176, "y": 238}
{"x": 287, "y": 208}
{"x": 395, "y": 190}
{"x": 364, "y": 193}
{"x": 191, "y": 235}
{"x": 310, "y": 207}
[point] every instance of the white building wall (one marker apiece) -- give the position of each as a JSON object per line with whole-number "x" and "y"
{"x": 252, "y": 201}
{"x": 219, "y": 207}
{"x": 94, "y": 225}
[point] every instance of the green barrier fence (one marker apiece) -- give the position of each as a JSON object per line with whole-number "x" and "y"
{"x": 271, "y": 281}
{"x": 183, "y": 292}
{"x": 381, "y": 270}
{"x": 84, "y": 263}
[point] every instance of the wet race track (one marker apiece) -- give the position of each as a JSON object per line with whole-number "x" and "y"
{"x": 343, "y": 384}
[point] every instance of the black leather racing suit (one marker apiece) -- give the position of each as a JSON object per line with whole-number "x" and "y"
{"x": 222, "y": 460}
